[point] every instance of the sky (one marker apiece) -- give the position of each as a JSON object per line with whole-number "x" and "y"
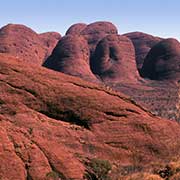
{"x": 156, "y": 17}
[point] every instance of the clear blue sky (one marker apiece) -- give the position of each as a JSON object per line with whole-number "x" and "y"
{"x": 158, "y": 17}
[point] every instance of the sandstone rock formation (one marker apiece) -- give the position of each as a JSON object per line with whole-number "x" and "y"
{"x": 93, "y": 32}
{"x": 162, "y": 62}
{"x": 111, "y": 57}
{"x": 143, "y": 43}
{"x": 114, "y": 60}
{"x": 76, "y": 29}
{"x": 53, "y": 126}
{"x": 50, "y": 39}
{"x": 71, "y": 56}
{"x": 52, "y": 123}
{"x": 23, "y": 42}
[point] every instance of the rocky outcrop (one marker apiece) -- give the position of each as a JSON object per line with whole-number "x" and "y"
{"x": 162, "y": 62}
{"x": 143, "y": 43}
{"x": 56, "y": 126}
{"x": 76, "y": 29}
{"x": 51, "y": 124}
{"x": 71, "y": 56}
{"x": 114, "y": 60}
{"x": 93, "y": 32}
{"x": 111, "y": 57}
{"x": 50, "y": 39}
{"x": 23, "y": 42}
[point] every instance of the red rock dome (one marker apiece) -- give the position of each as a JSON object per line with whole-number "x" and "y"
{"x": 71, "y": 56}
{"x": 23, "y": 42}
{"x": 114, "y": 59}
{"x": 94, "y": 32}
{"x": 143, "y": 43}
{"x": 163, "y": 61}
{"x": 76, "y": 29}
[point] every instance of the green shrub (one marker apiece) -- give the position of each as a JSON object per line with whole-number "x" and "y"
{"x": 52, "y": 175}
{"x": 98, "y": 169}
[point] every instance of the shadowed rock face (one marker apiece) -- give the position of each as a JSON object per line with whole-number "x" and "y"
{"x": 114, "y": 59}
{"x": 23, "y": 42}
{"x": 71, "y": 56}
{"x": 50, "y": 39}
{"x": 76, "y": 29}
{"x": 142, "y": 43}
{"x": 163, "y": 61}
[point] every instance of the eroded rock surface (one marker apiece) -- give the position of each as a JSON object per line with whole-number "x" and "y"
{"x": 163, "y": 60}
{"x": 143, "y": 43}
{"x": 71, "y": 56}
{"x": 76, "y": 29}
{"x": 51, "y": 123}
{"x": 50, "y": 39}
{"x": 114, "y": 59}
{"x": 23, "y": 42}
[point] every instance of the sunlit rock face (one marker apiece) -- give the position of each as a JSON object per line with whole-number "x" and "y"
{"x": 114, "y": 59}
{"x": 50, "y": 39}
{"x": 21, "y": 41}
{"x": 71, "y": 56}
{"x": 76, "y": 29}
{"x": 96, "y": 31}
{"x": 93, "y": 32}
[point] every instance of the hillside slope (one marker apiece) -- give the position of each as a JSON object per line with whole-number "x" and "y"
{"x": 51, "y": 124}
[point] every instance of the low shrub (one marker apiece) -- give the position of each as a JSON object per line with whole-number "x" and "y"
{"x": 98, "y": 169}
